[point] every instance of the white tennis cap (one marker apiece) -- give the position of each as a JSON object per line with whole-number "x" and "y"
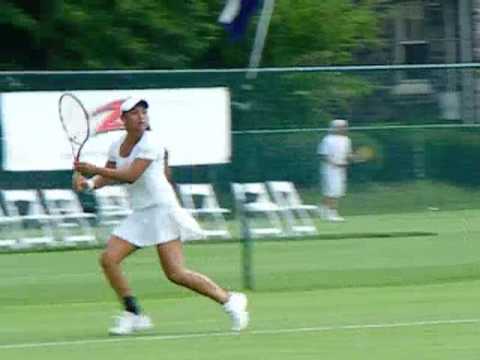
{"x": 131, "y": 102}
{"x": 338, "y": 123}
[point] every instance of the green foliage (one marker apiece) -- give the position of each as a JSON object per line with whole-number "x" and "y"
{"x": 330, "y": 95}
{"x": 312, "y": 32}
{"x": 88, "y": 34}
{"x": 109, "y": 34}
{"x": 452, "y": 156}
{"x": 149, "y": 34}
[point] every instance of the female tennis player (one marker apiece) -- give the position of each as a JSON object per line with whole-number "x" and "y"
{"x": 138, "y": 161}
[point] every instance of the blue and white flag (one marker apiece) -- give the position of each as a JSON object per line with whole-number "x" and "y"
{"x": 236, "y": 15}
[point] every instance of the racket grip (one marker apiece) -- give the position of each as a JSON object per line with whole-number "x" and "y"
{"x": 75, "y": 174}
{"x": 90, "y": 183}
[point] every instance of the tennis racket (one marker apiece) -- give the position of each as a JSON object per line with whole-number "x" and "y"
{"x": 75, "y": 122}
{"x": 365, "y": 153}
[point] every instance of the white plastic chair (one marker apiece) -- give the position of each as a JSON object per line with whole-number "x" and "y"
{"x": 26, "y": 206}
{"x": 112, "y": 204}
{"x": 8, "y": 223}
{"x": 71, "y": 222}
{"x": 259, "y": 214}
{"x": 294, "y": 212}
{"x": 200, "y": 200}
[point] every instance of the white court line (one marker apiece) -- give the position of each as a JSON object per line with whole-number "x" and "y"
{"x": 246, "y": 333}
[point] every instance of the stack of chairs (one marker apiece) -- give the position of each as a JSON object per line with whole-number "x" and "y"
{"x": 201, "y": 201}
{"x": 273, "y": 209}
{"x": 8, "y": 224}
{"x": 259, "y": 215}
{"x": 72, "y": 224}
{"x": 55, "y": 217}
{"x": 30, "y": 225}
{"x": 49, "y": 218}
{"x": 113, "y": 205}
{"x": 296, "y": 215}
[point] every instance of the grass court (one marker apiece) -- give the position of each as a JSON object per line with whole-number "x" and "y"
{"x": 392, "y": 286}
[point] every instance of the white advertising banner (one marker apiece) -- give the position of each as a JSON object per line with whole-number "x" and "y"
{"x": 193, "y": 124}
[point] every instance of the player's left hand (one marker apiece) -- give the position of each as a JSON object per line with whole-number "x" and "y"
{"x": 85, "y": 168}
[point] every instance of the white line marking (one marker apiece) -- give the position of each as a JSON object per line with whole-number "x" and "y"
{"x": 252, "y": 332}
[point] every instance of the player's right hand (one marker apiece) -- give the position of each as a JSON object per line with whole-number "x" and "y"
{"x": 79, "y": 182}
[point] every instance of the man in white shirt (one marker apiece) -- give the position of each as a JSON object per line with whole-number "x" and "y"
{"x": 335, "y": 151}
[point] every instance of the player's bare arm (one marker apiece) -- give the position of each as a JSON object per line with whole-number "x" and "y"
{"x": 128, "y": 174}
{"x": 81, "y": 183}
{"x": 100, "y": 181}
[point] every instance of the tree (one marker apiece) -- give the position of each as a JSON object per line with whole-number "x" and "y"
{"x": 92, "y": 34}
{"x": 328, "y": 32}
{"x": 89, "y": 34}
{"x": 312, "y": 33}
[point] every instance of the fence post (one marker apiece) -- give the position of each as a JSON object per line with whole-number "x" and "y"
{"x": 247, "y": 251}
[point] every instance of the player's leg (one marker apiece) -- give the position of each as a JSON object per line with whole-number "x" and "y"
{"x": 111, "y": 258}
{"x": 325, "y": 188}
{"x": 328, "y": 188}
{"x": 173, "y": 265}
{"x": 338, "y": 190}
{"x": 330, "y": 203}
{"x": 334, "y": 190}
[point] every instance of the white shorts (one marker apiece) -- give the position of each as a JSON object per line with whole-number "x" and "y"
{"x": 334, "y": 182}
{"x": 156, "y": 225}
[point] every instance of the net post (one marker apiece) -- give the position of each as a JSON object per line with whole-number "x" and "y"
{"x": 247, "y": 252}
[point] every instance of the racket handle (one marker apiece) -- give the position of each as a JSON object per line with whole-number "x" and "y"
{"x": 75, "y": 174}
{"x": 90, "y": 183}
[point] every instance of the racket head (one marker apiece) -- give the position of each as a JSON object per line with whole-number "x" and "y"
{"x": 365, "y": 153}
{"x": 75, "y": 122}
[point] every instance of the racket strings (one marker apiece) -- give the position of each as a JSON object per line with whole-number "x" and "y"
{"x": 74, "y": 120}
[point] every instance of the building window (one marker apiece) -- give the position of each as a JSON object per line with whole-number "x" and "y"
{"x": 415, "y": 52}
{"x": 411, "y": 47}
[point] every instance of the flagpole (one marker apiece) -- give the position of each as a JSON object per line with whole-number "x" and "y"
{"x": 260, "y": 37}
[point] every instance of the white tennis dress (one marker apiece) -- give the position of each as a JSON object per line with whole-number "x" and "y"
{"x": 336, "y": 148}
{"x": 157, "y": 215}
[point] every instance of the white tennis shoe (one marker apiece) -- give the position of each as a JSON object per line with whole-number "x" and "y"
{"x": 236, "y": 308}
{"x": 128, "y": 323}
{"x": 333, "y": 216}
{"x": 337, "y": 219}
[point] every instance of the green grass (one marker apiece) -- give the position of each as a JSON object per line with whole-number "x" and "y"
{"x": 394, "y": 198}
{"x": 365, "y": 289}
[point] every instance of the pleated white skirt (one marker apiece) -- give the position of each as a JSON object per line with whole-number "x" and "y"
{"x": 156, "y": 225}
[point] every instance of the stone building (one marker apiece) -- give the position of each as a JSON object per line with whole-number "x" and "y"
{"x": 435, "y": 32}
